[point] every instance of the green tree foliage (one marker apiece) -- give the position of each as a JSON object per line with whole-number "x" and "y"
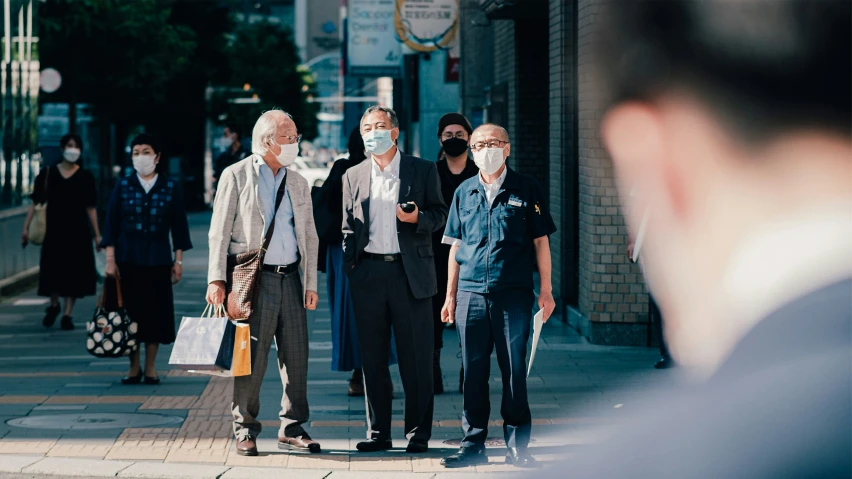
{"x": 264, "y": 56}
{"x": 118, "y": 55}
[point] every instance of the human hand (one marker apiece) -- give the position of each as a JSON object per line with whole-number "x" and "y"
{"x": 177, "y": 273}
{"x": 412, "y": 217}
{"x": 546, "y": 302}
{"x": 98, "y": 244}
{"x": 216, "y": 293}
{"x": 111, "y": 270}
{"x": 448, "y": 311}
{"x": 25, "y": 238}
{"x": 311, "y": 300}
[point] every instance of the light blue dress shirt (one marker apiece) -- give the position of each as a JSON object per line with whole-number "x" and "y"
{"x": 283, "y": 247}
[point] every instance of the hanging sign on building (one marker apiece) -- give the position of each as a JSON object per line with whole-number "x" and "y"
{"x": 371, "y": 45}
{"x": 427, "y": 25}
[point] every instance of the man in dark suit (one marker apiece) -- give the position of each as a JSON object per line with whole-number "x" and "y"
{"x": 391, "y": 206}
{"x": 737, "y": 117}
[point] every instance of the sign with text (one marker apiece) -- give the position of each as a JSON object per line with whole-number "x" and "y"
{"x": 427, "y": 25}
{"x": 371, "y": 45}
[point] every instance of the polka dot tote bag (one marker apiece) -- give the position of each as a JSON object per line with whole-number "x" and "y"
{"x": 111, "y": 333}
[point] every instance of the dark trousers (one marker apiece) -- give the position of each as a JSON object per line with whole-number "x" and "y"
{"x": 657, "y": 320}
{"x": 442, "y": 256}
{"x": 383, "y": 300}
{"x": 485, "y": 321}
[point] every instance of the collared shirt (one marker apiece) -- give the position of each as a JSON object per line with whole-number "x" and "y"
{"x": 496, "y": 250}
{"x": 147, "y": 184}
{"x": 492, "y": 189}
{"x": 283, "y": 247}
{"x": 384, "y": 196}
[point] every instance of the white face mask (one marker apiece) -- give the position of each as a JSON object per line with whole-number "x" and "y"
{"x": 227, "y": 141}
{"x": 144, "y": 164}
{"x": 489, "y": 160}
{"x": 377, "y": 142}
{"x": 71, "y": 155}
{"x": 288, "y": 154}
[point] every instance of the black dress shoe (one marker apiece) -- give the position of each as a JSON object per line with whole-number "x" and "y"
{"x": 132, "y": 379}
{"x": 665, "y": 363}
{"x": 374, "y": 445}
{"x": 67, "y": 323}
{"x": 520, "y": 458}
{"x": 50, "y": 315}
{"x": 417, "y": 446}
{"x": 465, "y": 457}
{"x": 152, "y": 381}
{"x": 247, "y": 446}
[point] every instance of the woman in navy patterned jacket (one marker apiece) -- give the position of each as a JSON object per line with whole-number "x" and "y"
{"x": 143, "y": 209}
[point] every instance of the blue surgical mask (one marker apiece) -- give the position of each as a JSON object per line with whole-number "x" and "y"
{"x": 377, "y": 142}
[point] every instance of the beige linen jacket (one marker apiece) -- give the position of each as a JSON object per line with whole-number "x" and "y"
{"x": 238, "y": 220}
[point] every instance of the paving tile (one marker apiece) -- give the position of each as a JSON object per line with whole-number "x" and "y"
{"x": 380, "y": 463}
{"x": 263, "y": 459}
{"x": 16, "y": 462}
{"x": 267, "y": 473}
{"x": 71, "y": 400}
{"x": 76, "y": 467}
{"x": 319, "y": 461}
{"x": 169, "y": 402}
{"x": 22, "y": 399}
{"x": 154, "y": 470}
{"x": 25, "y": 446}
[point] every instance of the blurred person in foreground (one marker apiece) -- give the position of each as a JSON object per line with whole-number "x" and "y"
{"x": 736, "y": 115}
{"x": 235, "y": 150}
{"x": 262, "y": 203}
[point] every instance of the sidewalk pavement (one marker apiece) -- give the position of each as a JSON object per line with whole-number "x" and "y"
{"x": 65, "y": 413}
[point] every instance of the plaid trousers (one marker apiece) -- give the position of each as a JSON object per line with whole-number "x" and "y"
{"x": 280, "y": 314}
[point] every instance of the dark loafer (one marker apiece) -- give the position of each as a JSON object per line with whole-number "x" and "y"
{"x": 416, "y": 446}
{"x": 465, "y": 457}
{"x": 67, "y": 323}
{"x": 300, "y": 443}
{"x": 151, "y": 381}
{"x": 374, "y": 445}
{"x": 50, "y": 315}
{"x": 132, "y": 379}
{"x": 520, "y": 458}
{"x": 246, "y": 446}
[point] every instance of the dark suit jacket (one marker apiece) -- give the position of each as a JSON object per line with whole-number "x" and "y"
{"x": 418, "y": 183}
{"x": 779, "y": 407}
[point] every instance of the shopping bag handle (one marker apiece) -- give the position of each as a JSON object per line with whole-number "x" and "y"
{"x": 214, "y": 311}
{"x": 118, "y": 291}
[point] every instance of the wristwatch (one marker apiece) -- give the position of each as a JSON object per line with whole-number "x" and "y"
{"x": 179, "y": 263}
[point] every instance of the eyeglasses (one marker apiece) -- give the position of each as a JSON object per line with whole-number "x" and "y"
{"x": 292, "y": 139}
{"x": 488, "y": 144}
{"x": 461, "y": 135}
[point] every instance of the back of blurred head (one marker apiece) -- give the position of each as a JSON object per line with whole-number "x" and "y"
{"x": 727, "y": 118}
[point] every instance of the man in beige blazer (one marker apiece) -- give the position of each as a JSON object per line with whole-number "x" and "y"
{"x": 251, "y": 194}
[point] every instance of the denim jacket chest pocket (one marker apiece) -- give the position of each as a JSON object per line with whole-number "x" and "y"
{"x": 471, "y": 218}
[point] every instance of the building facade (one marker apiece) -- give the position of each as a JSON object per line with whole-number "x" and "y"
{"x": 526, "y": 64}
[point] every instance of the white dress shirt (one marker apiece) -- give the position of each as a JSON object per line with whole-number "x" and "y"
{"x": 147, "y": 184}
{"x": 490, "y": 193}
{"x": 283, "y": 247}
{"x": 384, "y": 196}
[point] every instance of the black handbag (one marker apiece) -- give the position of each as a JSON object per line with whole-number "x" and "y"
{"x": 111, "y": 334}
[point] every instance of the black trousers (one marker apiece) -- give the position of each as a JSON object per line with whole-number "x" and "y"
{"x": 484, "y": 322}
{"x": 657, "y": 320}
{"x": 383, "y": 300}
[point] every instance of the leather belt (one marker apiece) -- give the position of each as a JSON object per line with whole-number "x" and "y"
{"x": 282, "y": 269}
{"x": 389, "y": 258}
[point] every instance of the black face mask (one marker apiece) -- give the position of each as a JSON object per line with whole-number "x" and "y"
{"x": 455, "y": 146}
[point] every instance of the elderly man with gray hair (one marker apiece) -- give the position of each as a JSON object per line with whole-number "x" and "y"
{"x": 256, "y": 197}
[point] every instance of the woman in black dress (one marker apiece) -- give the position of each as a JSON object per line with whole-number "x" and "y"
{"x": 67, "y": 266}
{"x": 144, "y": 209}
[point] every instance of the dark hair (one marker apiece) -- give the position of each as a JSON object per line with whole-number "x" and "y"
{"x": 146, "y": 139}
{"x": 234, "y": 129}
{"x": 762, "y": 66}
{"x": 356, "y": 146}
{"x": 63, "y": 142}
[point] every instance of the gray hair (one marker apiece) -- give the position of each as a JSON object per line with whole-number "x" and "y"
{"x": 390, "y": 113}
{"x": 492, "y": 126}
{"x": 264, "y": 130}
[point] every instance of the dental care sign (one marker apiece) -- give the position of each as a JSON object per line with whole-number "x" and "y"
{"x": 427, "y": 25}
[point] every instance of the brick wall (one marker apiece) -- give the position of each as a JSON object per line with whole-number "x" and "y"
{"x": 476, "y": 71}
{"x": 611, "y": 290}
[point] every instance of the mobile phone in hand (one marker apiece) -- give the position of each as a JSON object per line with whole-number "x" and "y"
{"x": 408, "y": 207}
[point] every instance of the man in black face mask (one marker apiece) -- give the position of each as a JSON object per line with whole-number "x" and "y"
{"x": 454, "y": 134}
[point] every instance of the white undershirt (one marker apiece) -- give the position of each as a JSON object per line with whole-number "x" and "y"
{"x": 384, "y": 195}
{"x": 147, "y": 184}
